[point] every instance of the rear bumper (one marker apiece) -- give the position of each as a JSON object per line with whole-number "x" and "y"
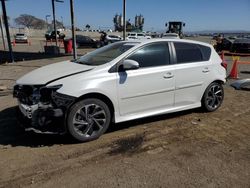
{"x": 21, "y": 40}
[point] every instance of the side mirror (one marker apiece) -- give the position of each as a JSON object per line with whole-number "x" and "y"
{"x": 166, "y": 24}
{"x": 129, "y": 64}
{"x": 184, "y": 24}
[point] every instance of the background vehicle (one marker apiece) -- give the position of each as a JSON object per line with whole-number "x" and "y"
{"x": 109, "y": 84}
{"x": 112, "y": 38}
{"x": 175, "y": 27}
{"x": 85, "y": 41}
{"x": 138, "y": 36}
{"x": 50, "y": 35}
{"x": 170, "y": 35}
{"x": 241, "y": 45}
{"x": 21, "y": 37}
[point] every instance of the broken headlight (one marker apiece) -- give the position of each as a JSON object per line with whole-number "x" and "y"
{"x": 46, "y": 92}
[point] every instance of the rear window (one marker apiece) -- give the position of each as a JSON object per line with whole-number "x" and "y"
{"x": 188, "y": 52}
{"x": 19, "y": 34}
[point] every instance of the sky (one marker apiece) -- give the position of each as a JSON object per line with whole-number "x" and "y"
{"x": 199, "y": 15}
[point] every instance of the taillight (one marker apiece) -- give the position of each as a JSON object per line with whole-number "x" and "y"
{"x": 224, "y": 65}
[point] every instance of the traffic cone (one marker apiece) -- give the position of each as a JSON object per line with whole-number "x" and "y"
{"x": 234, "y": 72}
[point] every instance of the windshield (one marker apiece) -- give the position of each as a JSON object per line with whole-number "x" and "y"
{"x": 105, "y": 54}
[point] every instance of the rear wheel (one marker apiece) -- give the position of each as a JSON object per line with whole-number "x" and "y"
{"x": 213, "y": 97}
{"x": 88, "y": 119}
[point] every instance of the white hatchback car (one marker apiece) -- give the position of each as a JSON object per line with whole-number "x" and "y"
{"x": 120, "y": 82}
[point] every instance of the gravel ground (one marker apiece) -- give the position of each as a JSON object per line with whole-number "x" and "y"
{"x": 185, "y": 149}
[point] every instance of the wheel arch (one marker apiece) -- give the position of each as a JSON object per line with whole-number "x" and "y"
{"x": 215, "y": 81}
{"x": 101, "y": 97}
{"x": 218, "y": 81}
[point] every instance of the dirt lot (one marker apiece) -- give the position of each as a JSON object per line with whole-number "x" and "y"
{"x": 187, "y": 149}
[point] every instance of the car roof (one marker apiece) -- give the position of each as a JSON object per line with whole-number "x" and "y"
{"x": 148, "y": 41}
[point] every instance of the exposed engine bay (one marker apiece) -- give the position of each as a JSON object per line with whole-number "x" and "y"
{"x": 41, "y": 108}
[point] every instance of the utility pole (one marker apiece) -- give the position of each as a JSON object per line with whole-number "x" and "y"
{"x": 46, "y": 18}
{"x": 54, "y": 18}
{"x": 7, "y": 31}
{"x": 62, "y": 21}
{"x": 124, "y": 20}
{"x": 1, "y": 26}
{"x": 73, "y": 28}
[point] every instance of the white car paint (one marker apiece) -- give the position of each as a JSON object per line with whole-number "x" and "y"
{"x": 136, "y": 93}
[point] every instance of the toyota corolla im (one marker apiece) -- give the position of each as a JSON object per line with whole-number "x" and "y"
{"x": 120, "y": 82}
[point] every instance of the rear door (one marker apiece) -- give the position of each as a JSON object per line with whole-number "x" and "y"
{"x": 192, "y": 71}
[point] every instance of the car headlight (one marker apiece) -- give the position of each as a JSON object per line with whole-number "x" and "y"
{"x": 46, "y": 92}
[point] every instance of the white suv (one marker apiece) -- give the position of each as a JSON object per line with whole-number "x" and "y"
{"x": 120, "y": 82}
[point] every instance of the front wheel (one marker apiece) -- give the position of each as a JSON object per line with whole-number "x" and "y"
{"x": 88, "y": 119}
{"x": 213, "y": 97}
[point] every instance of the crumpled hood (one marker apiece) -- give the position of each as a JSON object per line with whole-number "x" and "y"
{"x": 43, "y": 75}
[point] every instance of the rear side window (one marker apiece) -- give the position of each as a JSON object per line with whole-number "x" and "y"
{"x": 188, "y": 52}
{"x": 152, "y": 55}
{"x": 206, "y": 52}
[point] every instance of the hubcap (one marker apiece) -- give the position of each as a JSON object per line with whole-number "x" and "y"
{"x": 89, "y": 120}
{"x": 214, "y": 96}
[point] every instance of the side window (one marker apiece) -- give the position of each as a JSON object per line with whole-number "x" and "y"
{"x": 206, "y": 52}
{"x": 152, "y": 55}
{"x": 187, "y": 52}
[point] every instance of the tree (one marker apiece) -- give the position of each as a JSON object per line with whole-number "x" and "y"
{"x": 30, "y": 21}
{"x": 25, "y": 20}
{"x": 87, "y": 26}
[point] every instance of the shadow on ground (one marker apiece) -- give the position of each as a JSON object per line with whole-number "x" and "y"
{"x": 12, "y": 134}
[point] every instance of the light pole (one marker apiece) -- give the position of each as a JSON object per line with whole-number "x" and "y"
{"x": 73, "y": 28}
{"x": 46, "y": 18}
{"x": 1, "y": 26}
{"x": 54, "y": 15}
{"x": 62, "y": 21}
{"x": 5, "y": 19}
{"x": 124, "y": 20}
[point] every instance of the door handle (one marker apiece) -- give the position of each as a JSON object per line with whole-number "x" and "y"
{"x": 168, "y": 75}
{"x": 205, "y": 70}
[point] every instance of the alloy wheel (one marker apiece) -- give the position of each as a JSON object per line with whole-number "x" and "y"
{"x": 89, "y": 120}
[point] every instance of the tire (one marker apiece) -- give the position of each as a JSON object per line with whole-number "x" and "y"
{"x": 88, "y": 127}
{"x": 213, "y": 97}
{"x": 98, "y": 45}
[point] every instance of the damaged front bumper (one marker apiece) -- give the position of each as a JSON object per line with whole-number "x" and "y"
{"x": 43, "y": 110}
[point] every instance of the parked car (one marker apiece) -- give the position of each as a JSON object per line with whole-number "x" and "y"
{"x": 21, "y": 38}
{"x": 85, "y": 41}
{"x": 138, "y": 36}
{"x": 170, "y": 35}
{"x": 112, "y": 38}
{"x": 120, "y": 82}
{"x": 51, "y": 35}
{"x": 241, "y": 45}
